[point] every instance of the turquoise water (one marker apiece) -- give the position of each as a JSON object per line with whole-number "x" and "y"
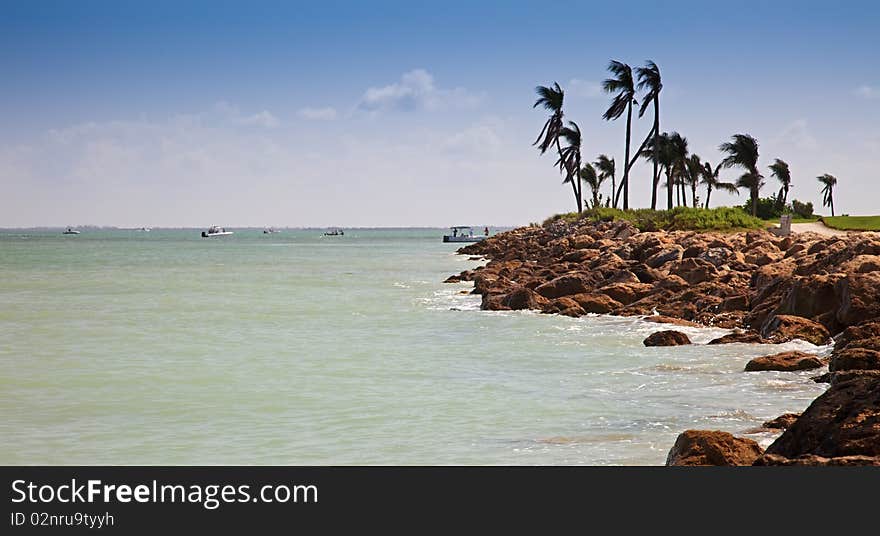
{"x": 124, "y": 347}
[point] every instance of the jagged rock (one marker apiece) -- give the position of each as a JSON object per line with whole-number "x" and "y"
{"x": 859, "y": 296}
{"x": 566, "y": 285}
{"x": 782, "y": 422}
{"x": 524, "y": 298}
{"x": 667, "y": 255}
{"x": 784, "y": 328}
{"x": 714, "y": 448}
{"x": 667, "y": 338}
{"x": 747, "y": 337}
{"x": 784, "y": 361}
{"x": 595, "y": 302}
{"x": 854, "y": 358}
{"x": 844, "y": 421}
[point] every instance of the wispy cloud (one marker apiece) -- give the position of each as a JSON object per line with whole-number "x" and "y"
{"x": 868, "y": 92}
{"x": 416, "y": 91}
{"x": 318, "y": 114}
{"x": 798, "y": 134}
{"x": 479, "y": 139}
{"x": 583, "y": 88}
{"x": 262, "y": 119}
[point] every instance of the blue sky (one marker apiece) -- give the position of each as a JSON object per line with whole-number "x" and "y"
{"x": 398, "y": 113}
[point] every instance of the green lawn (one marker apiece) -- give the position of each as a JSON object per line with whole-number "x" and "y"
{"x": 853, "y": 223}
{"x": 775, "y": 221}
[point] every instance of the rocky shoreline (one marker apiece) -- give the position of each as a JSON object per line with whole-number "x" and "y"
{"x": 768, "y": 289}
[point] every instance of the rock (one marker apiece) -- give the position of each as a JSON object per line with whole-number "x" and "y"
{"x": 747, "y": 337}
{"x": 784, "y": 328}
{"x": 813, "y": 460}
{"x": 565, "y": 306}
{"x": 854, "y": 358}
{"x": 782, "y": 422}
{"x": 854, "y": 335}
{"x": 847, "y": 375}
{"x": 627, "y": 293}
{"x": 661, "y": 319}
{"x": 666, "y": 255}
{"x": 594, "y": 302}
{"x": 785, "y": 361}
{"x": 844, "y": 421}
{"x": 694, "y": 271}
{"x": 810, "y": 296}
{"x": 524, "y": 298}
{"x": 565, "y": 285}
{"x": 735, "y": 303}
{"x": 859, "y": 296}
{"x": 453, "y": 279}
{"x": 667, "y": 338}
{"x": 714, "y": 448}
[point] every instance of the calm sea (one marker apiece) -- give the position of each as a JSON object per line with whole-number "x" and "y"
{"x": 126, "y": 347}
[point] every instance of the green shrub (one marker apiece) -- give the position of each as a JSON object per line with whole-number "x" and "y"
{"x": 767, "y": 208}
{"x": 677, "y": 219}
{"x": 802, "y": 210}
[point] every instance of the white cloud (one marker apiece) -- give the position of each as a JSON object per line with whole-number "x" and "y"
{"x": 416, "y": 91}
{"x": 480, "y": 139}
{"x": 583, "y": 88}
{"x": 318, "y": 114}
{"x": 797, "y": 134}
{"x": 262, "y": 119}
{"x": 868, "y": 92}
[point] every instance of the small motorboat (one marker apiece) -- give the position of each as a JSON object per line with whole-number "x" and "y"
{"x": 145, "y": 229}
{"x": 464, "y": 233}
{"x": 70, "y": 230}
{"x": 215, "y": 231}
{"x": 335, "y": 232}
{"x": 270, "y": 230}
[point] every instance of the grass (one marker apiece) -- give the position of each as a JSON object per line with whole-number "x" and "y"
{"x": 677, "y": 219}
{"x": 775, "y": 221}
{"x": 853, "y": 223}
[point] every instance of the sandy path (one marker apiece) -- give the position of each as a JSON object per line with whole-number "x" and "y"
{"x": 816, "y": 227}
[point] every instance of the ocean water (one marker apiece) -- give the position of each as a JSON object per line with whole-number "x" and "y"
{"x": 125, "y": 347}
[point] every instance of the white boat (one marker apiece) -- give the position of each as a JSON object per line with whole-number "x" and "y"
{"x": 335, "y": 232}
{"x": 270, "y": 230}
{"x": 464, "y": 233}
{"x": 145, "y": 229}
{"x": 70, "y": 230}
{"x": 215, "y": 231}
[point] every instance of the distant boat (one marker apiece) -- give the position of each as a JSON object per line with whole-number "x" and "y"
{"x": 70, "y": 230}
{"x": 270, "y": 230}
{"x": 335, "y": 232}
{"x": 464, "y": 233}
{"x": 215, "y": 231}
{"x": 145, "y": 229}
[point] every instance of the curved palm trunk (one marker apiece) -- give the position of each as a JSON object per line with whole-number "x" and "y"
{"x": 708, "y": 194}
{"x": 629, "y": 112}
{"x": 613, "y": 190}
{"x": 831, "y": 199}
{"x": 694, "y": 193}
{"x": 669, "y": 187}
{"x": 755, "y": 202}
{"x": 655, "y": 178}
{"x": 574, "y": 186}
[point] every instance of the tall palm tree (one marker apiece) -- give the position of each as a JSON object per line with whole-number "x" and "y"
{"x": 678, "y": 146}
{"x": 649, "y": 77}
{"x": 829, "y": 181}
{"x": 551, "y": 98}
{"x": 661, "y": 149}
{"x": 623, "y": 85}
{"x": 594, "y": 181}
{"x": 742, "y": 152}
{"x": 710, "y": 179}
{"x": 605, "y": 167}
{"x": 780, "y": 170}
{"x": 570, "y": 158}
{"x": 693, "y": 172}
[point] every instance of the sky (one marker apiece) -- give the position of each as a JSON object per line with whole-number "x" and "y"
{"x": 406, "y": 113}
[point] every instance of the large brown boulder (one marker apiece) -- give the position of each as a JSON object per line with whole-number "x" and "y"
{"x": 565, "y": 285}
{"x": 782, "y": 422}
{"x": 844, "y": 421}
{"x": 785, "y": 361}
{"x": 705, "y": 447}
{"x": 859, "y": 296}
{"x": 524, "y": 298}
{"x": 667, "y": 338}
{"x": 784, "y": 328}
{"x": 694, "y": 271}
{"x": 660, "y": 258}
{"x": 854, "y": 358}
{"x": 747, "y": 337}
{"x": 811, "y": 460}
{"x": 565, "y": 306}
{"x": 594, "y": 302}
{"x": 810, "y": 296}
{"x": 627, "y": 293}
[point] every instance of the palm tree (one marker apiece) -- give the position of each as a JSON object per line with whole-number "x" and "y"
{"x": 570, "y": 157}
{"x": 779, "y": 169}
{"x": 742, "y": 152}
{"x": 678, "y": 146}
{"x": 661, "y": 150}
{"x": 625, "y": 90}
{"x": 594, "y": 181}
{"x": 693, "y": 171}
{"x": 710, "y": 179}
{"x": 830, "y": 181}
{"x": 551, "y": 99}
{"x": 649, "y": 77}
{"x": 605, "y": 167}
